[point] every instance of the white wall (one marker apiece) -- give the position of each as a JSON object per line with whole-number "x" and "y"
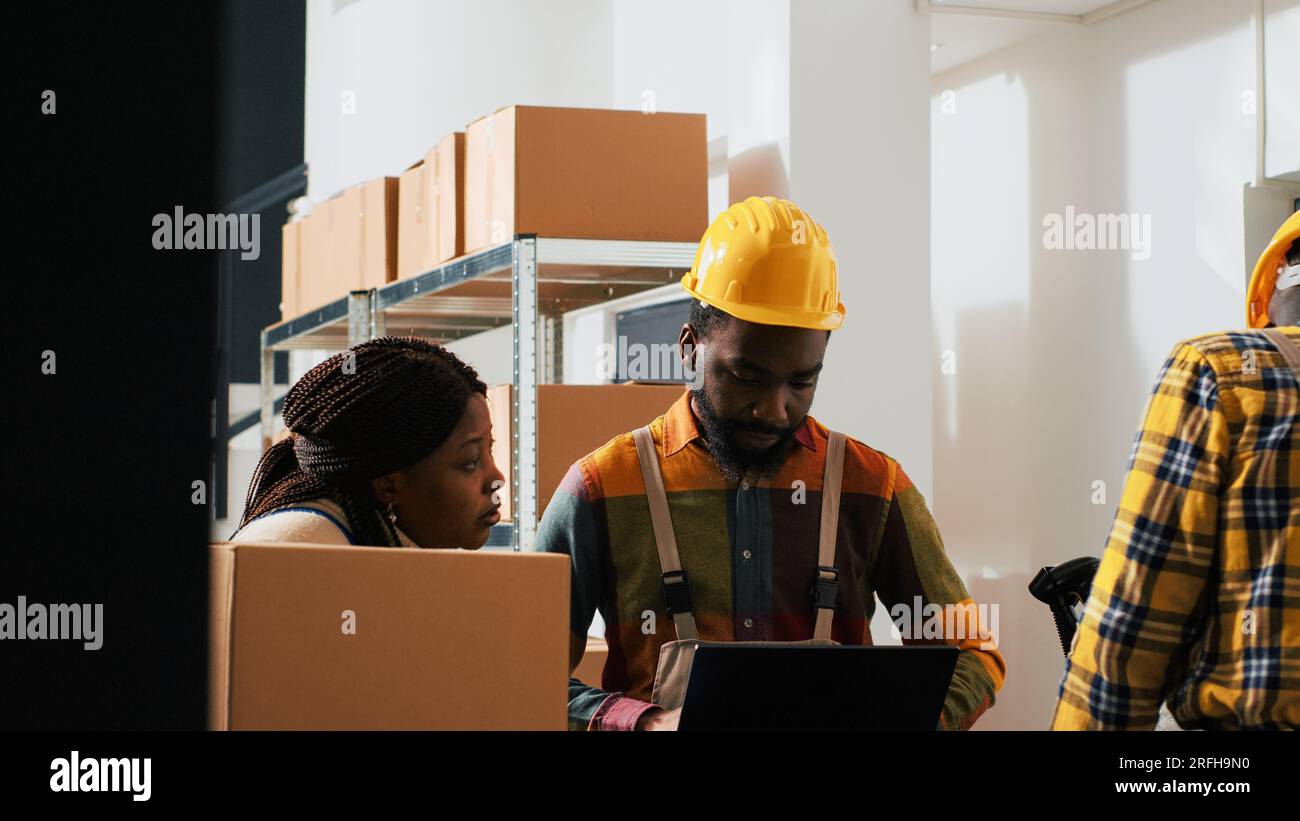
{"x": 728, "y": 59}
{"x": 1056, "y": 350}
{"x": 739, "y": 81}
{"x": 419, "y": 69}
{"x": 1281, "y": 68}
{"x": 859, "y": 162}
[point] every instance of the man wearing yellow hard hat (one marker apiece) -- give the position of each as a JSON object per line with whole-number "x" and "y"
{"x": 737, "y": 516}
{"x": 1195, "y": 602}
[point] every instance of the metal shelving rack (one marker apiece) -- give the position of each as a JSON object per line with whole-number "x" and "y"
{"x": 529, "y": 281}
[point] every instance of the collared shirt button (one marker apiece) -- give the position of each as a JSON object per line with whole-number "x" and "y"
{"x": 749, "y": 622}
{"x": 747, "y": 554}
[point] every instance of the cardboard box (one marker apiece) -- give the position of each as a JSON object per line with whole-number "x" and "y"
{"x": 449, "y": 196}
{"x": 347, "y": 243}
{"x": 592, "y": 665}
{"x": 364, "y": 237}
{"x": 572, "y": 421}
{"x": 430, "y": 210}
{"x": 315, "y": 283}
{"x": 439, "y": 639}
{"x": 585, "y": 173}
{"x": 290, "y": 269}
{"x": 414, "y": 232}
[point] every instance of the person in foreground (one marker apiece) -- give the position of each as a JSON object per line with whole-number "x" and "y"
{"x": 739, "y": 552}
{"x": 1196, "y": 603}
{"x": 390, "y": 445}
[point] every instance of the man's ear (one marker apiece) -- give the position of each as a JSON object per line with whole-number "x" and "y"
{"x": 687, "y": 341}
{"x": 387, "y": 487}
{"x": 689, "y": 344}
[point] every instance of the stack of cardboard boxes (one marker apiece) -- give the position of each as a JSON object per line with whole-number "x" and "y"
{"x": 554, "y": 172}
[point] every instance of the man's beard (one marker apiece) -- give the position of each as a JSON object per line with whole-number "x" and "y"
{"x": 736, "y": 461}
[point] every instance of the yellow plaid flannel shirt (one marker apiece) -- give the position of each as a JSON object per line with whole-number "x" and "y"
{"x": 1197, "y": 599}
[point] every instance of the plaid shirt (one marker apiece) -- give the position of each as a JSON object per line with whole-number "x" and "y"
{"x": 1197, "y": 599}
{"x": 751, "y": 554}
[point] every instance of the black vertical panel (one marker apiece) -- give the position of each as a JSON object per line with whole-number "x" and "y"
{"x": 100, "y": 457}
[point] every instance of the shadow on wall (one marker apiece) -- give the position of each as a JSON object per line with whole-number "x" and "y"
{"x": 1051, "y": 376}
{"x": 757, "y": 172}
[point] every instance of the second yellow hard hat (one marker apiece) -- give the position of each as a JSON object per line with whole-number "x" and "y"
{"x": 764, "y": 260}
{"x": 1264, "y": 279}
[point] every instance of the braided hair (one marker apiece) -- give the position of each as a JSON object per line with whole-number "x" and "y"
{"x": 376, "y": 408}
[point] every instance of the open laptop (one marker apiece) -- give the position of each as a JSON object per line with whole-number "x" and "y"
{"x": 817, "y": 688}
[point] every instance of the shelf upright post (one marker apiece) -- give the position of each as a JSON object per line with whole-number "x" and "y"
{"x": 523, "y": 450}
{"x": 378, "y": 321}
{"x": 267, "y": 393}
{"x": 361, "y": 325}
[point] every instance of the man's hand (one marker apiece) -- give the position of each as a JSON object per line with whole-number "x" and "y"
{"x": 658, "y": 719}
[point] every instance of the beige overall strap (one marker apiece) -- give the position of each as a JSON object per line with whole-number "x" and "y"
{"x": 665, "y": 540}
{"x": 827, "y": 576}
{"x": 1286, "y": 346}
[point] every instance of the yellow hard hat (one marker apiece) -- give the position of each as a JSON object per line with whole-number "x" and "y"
{"x": 764, "y": 260}
{"x": 1264, "y": 279}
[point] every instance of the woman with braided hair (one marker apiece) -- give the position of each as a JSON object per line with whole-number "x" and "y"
{"x": 390, "y": 444}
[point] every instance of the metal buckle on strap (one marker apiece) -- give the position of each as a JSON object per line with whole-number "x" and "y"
{"x": 677, "y": 592}
{"x": 825, "y": 588}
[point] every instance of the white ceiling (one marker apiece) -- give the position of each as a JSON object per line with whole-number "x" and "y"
{"x": 965, "y": 37}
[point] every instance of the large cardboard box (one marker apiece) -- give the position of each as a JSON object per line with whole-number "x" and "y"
{"x": 572, "y": 421}
{"x": 324, "y": 637}
{"x": 363, "y": 241}
{"x": 290, "y": 269}
{"x": 430, "y": 209}
{"x": 586, "y": 173}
